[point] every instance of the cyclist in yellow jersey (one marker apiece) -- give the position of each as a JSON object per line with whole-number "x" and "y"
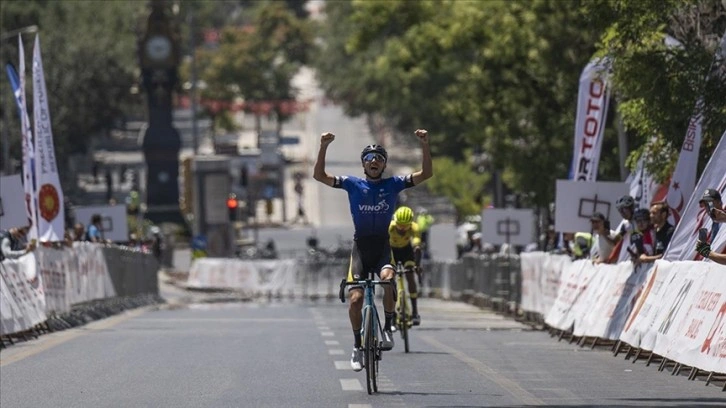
{"x": 405, "y": 239}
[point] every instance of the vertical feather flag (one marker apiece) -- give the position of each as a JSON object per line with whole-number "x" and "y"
{"x": 17, "y": 81}
{"x": 51, "y": 219}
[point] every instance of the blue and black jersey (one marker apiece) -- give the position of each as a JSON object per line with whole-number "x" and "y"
{"x": 372, "y": 203}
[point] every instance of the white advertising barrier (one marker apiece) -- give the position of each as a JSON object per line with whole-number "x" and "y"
{"x": 636, "y": 331}
{"x": 274, "y": 275}
{"x": 73, "y": 275}
{"x": 21, "y": 295}
{"x": 50, "y": 280}
{"x": 612, "y": 297}
{"x": 507, "y": 226}
{"x": 541, "y": 280}
{"x": 114, "y": 224}
{"x": 89, "y": 278}
{"x": 574, "y": 281}
{"x": 692, "y": 329}
{"x": 576, "y": 201}
{"x": 54, "y": 267}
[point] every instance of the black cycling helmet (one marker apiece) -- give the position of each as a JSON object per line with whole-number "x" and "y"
{"x": 641, "y": 214}
{"x": 374, "y": 148}
{"x": 625, "y": 202}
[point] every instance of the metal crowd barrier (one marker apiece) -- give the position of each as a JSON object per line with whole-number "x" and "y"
{"x": 485, "y": 280}
{"x": 132, "y": 271}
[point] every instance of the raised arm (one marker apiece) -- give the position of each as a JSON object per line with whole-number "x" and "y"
{"x": 319, "y": 172}
{"x": 427, "y": 167}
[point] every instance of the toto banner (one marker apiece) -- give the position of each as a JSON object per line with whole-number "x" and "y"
{"x": 592, "y": 109}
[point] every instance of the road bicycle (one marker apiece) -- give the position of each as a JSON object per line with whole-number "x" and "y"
{"x": 371, "y": 330}
{"x": 403, "y": 304}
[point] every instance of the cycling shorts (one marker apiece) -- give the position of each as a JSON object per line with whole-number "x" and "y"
{"x": 369, "y": 254}
{"x": 403, "y": 255}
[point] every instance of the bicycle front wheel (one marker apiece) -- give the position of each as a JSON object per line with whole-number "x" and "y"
{"x": 369, "y": 356}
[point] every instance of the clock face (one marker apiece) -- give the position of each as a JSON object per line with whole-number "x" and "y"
{"x": 158, "y": 48}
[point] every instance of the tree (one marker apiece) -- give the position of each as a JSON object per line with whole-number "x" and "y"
{"x": 496, "y": 77}
{"x": 459, "y": 182}
{"x": 663, "y": 62}
{"x": 255, "y": 63}
{"x": 89, "y": 56}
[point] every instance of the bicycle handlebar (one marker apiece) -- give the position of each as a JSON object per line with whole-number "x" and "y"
{"x": 364, "y": 282}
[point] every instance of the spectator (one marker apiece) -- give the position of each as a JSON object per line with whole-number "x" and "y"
{"x": 578, "y": 244}
{"x": 704, "y": 249}
{"x": 550, "y": 240}
{"x": 79, "y": 232}
{"x": 157, "y": 242}
{"x": 711, "y": 201}
{"x": 603, "y": 238}
{"x": 13, "y": 243}
{"x": 626, "y": 208}
{"x": 642, "y": 240}
{"x": 95, "y": 230}
{"x": 424, "y": 222}
{"x": 663, "y": 230}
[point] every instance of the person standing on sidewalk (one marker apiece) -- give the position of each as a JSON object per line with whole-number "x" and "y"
{"x": 372, "y": 201}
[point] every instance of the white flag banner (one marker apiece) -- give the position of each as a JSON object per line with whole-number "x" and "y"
{"x": 683, "y": 244}
{"x": 28, "y": 150}
{"x": 17, "y": 80}
{"x": 684, "y": 176}
{"x": 51, "y": 219}
{"x": 643, "y": 187}
{"x": 592, "y": 109}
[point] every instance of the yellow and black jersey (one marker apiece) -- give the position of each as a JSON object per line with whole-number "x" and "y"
{"x": 400, "y": 239}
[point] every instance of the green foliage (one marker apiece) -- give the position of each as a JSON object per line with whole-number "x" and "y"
{"x": 89, "y": 59}
{"x": 460, "y": 183}
{"x": 257, "y": 61}
{"x": 501, "y": 77}
{"x": 498, "y": 77}
{"x": 663, "y": 54}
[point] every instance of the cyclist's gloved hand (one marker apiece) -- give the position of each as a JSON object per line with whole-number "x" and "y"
{"x": 341, "y": 293}
{"x": 703, "y": 248}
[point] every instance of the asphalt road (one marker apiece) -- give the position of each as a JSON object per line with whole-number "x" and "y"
{"x": 294, "y": 353}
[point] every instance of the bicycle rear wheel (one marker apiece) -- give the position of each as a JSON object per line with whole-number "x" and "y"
{"x": 404, "y": 327}
{"x": 402, "y": 313}
{"x": 369, "y": 357}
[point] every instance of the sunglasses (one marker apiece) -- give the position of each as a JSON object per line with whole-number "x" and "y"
{"x": 374, "y": 156}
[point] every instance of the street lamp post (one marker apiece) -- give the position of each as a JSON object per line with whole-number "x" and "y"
{"x": 7, "y": 169}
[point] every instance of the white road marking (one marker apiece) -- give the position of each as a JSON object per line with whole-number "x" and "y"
{"x": 327, "y": 334}
{"x": 350, "y": 384}
{"x": 491, "y": 374}
{"x": 360, "y": 406}
{"x": 342, "y": 365}
{"x": 335, "y": 352}
{"x": 332, "y": 343}
{"x": 323, "y": 328}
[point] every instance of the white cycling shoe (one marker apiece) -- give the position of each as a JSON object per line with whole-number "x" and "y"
{"x": 387, "y": 341}
{"x": 356, "y": 359}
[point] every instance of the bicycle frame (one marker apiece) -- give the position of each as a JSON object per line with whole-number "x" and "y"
{"x": 369, "y": 335}
{"x": 403, "y": 306}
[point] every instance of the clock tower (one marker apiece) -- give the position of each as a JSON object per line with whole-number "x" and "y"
{"x": 159, "y": 60}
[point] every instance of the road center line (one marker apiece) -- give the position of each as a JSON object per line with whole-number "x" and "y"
{"x": 510, "y": 385}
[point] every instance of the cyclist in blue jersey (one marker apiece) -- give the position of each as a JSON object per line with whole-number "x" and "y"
{"x": 372, "y": 203}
